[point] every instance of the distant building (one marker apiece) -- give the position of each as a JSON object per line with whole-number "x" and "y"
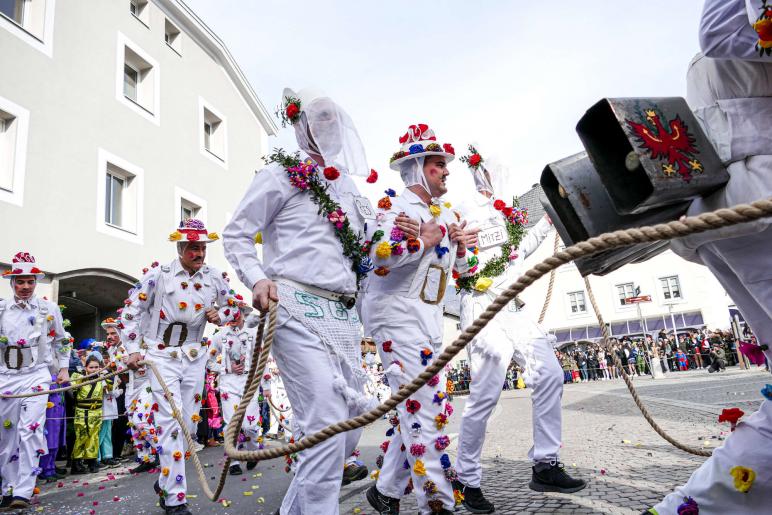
{"x": 117, "y": 119}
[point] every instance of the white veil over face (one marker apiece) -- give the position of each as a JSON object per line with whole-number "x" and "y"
{"x": 326, "y": 130}
{"x": 412, "y": 173}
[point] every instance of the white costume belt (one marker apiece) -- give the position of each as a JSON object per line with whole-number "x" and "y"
{"x": 347, "y": 299}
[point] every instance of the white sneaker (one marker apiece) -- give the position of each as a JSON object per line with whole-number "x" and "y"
{"x": 197, "y": 447}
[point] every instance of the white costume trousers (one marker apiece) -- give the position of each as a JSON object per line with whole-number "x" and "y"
{"x": 510, "y": 334}
{"x": 307, "y": 371}
{"x": 22, "y": 444}
{"x": 423, "y": 458}
{"x": 230, "y": 398}
{"x": 143, "y": 434}
{"x": 185, "y": 380}
{"x": 743, "y": 266}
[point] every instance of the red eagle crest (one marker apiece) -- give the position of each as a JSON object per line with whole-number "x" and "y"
{"x": 675, "y": 145}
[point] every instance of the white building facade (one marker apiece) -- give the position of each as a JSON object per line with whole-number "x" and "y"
{"x": 117, "y": 119}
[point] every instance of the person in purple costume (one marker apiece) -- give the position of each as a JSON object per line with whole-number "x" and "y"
{"x": 55, "y": 434}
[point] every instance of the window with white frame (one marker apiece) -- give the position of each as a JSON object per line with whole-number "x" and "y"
{"x": 120, "y": 208}
{"x": 188, "y": 209}
{"x": 214, "y": 136}
{"x": 188, "y": 205}
{"x": 671, "y": 287}
{"x": 30, "y": 20}
{"x": 172, "y": 36}
{"x": 577, "y": 303}
{"x": 120, "y": 198}
{"x": 138, "y": 80}
{"x": 624, "y": 291}
{"x": 140, "y": 10}
{"x": 14, "y": 123}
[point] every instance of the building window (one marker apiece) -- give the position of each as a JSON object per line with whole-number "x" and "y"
{"x": 188, "y": 205}
{"x": 214, "y": 136}
{"x": 120, "y": 201}
{"x": 30, "y": 20}
{"x": 577, "y": 303}
{"x": 671, "y": 287}
{"x": 14, "y": 122}
{"x": 625, "y": 291}
{"x": 138, "y": 82}
{"x": 140, "y": 11}
{"x": 172, "y": 36}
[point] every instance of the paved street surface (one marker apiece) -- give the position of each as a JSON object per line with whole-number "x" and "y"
{"x": 606, "y": 441}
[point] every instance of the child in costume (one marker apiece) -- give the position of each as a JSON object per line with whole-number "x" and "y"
{"x": 88, "y": 417}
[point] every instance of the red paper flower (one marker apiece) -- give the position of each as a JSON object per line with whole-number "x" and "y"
{"x": 731, "y": 415}
{"x": 447, "y": 147}
{"x": 507, "y": 211}
{"x": 372, "y": 177}
{"x": 412, "y": 406}
{"x": 292, "y": 112}
{"x": 386, "y": 346}
{"x": 474, "y": 159}
{"x": 498, "y": 205}
{"x": 331, "y": 173}
{"x": 193, "y": 236}
{"x": 384, "y": 203}
{"x": 381, "y": 271}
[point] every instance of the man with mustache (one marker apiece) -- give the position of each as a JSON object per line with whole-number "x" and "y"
{"x": 402, "y": 312}
{"x": 33, "y": 342}
{"x": 165, "y": 315}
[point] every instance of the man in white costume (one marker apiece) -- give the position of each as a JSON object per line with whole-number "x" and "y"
{"x": 33, "y": 343}
{"x": 231, "y": 358}
{"x": 311, "y": 216}
{"x": 513, "y": 332}
{"x": 168, "y": 312}
{"x": 729, "y": 88}
{"x": 402, "y": 312}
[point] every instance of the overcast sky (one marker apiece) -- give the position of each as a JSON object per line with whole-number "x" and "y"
{"x": 511, "y": 76}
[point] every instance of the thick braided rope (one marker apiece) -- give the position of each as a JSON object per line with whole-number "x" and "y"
{"x": 629, "y": 382}
{"x": 551, "y": 284}
{"x": 66, "y": 388}
{"x": 675, "y": 229}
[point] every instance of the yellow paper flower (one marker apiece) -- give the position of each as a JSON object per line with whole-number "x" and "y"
{"x": 419, "y": 469}
{"x": 213, "y": 236}
{"x": 447, "y": 205}
{"x": 175, "y": 236}
{"x": 435, "y": 210}
{"x": 259, "y": 238}
{"x": 743, "y": 478}
{"x": 165, "y": 471}
{"x": 458, "y": 497}
{"x": 383, "y": 250}
{"x": 195, "y": 418}
{"x": 49, "y": 405}
{"x": 764, "y": 29}
{"x": 483, "y": 283}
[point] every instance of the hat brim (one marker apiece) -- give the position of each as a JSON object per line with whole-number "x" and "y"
{"x": 200, "y": 240}
{"x": 37, "y": 276}
{"x": 394, "y": 165}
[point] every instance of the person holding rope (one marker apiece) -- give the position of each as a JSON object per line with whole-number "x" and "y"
{"x": 33, "y": 343}
{"x": 729, "y": 87}
{"x": 231, "y": 358}
{"x": 402, "y": 312}
{"x": 109, "y": 349}
{"x": 165, "y": 316}
{"x": 88, "y": 415}
{"x": 502, "y": 245}
{"x": 310, "y": 216}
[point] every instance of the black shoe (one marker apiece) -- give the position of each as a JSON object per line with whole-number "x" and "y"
{"x": 251, "y": 465}
{"x": 553, "y": 478}
{"x": 93, "y": 466}
{"x": 18, "y": 503}
{"x": 354, "y": 472}
{"x": 159, "y": 492}
{"x": 473, "y": 498}
{"x": 235, "y": 470}
{"x": 180, "y": 509}
{"x": 60, "y": 471}
{"x": 5, "y": 505}
{"x": 381, "y": 503}
{"x": 110, "y": 462}
{"x": 145, "y": 466}
{"x": 78, "y": 467}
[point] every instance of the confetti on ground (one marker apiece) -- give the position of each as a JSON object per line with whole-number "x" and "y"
{"x": 602, "y": 472}
{"x": 261, "y": 500}
{"x": 225, "y": 503}
{"x": 255, "y": 487}
{"x": 80, "y": 494}
{"x": 357, "y": 510}
{"x": 248, "y": 493}
{"x": 625, "y": 441}
{"x": 192, "y": 496}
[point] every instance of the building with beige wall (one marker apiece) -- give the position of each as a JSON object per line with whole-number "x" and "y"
{"x": 117, "y": 119}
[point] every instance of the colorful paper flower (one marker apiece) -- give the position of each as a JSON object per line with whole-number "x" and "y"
{"x": 7, "y": 424}
{"x": 412, "y": 406}
{"x": 445, "y": 461}
{"x": 448, "y": 409}
{"x": 385, "y": 446}
{"x": 182, "y": 305}
{"x": 458, "y": 497}
{"x": 416, "y": 148}
{"x": 430, "y": 487}
{"x": 413, "y": 245}
{"x": 450, "y": 474}
{"x": 384, "y": 203}
{"x": 434, "y": 381}
{"x": 441, "y": 442}
{"x": 178, "y": 478}
{"x": 743, "y": 478}
{"x": 165, "y": 470}
{"x": 175, "y": 236}
{"x": 731, "y": 415}
{"x": 397, "y": 234}
{"x": 426, "y": 355}
{"x": 383, "y": 250}
{"x": 435, "y": 210}
{"x": 688, "y": 507}
{"x": 439, "y": 397}
{"x": 390, "y": 193}
{"x": 337, "y": 218}
{"x": 372, "y": 177}
{"x": 386, "y": 346}
{"x": 447, "y": 147}
{"x": 440, "y": 421}
{"x": 417, "y": 449}
{"x": 177, "y": 455}
{"x": 419, "y": 469}
{"x": 331, "y": 173}
{"x": 483, "y": 283}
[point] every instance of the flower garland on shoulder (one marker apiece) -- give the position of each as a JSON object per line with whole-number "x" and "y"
{"x": 516, "y": 219}
{"x": 305, "y": 177}
{"x": 763, "y": 27}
